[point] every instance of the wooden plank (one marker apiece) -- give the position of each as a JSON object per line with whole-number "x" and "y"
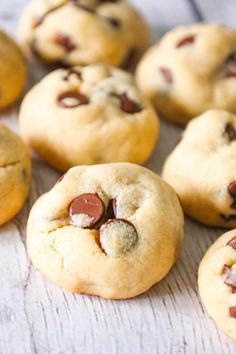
{"x": 36, "y": 316}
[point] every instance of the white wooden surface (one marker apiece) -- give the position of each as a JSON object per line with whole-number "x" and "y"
{"x": 36, "y": 316}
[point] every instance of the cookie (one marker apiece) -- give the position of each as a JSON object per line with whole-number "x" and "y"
{"x": 217, "y": 282}
{"x": 111, "y": 230}
{"x": 13, "y": 71}
{"x": 88, "y": 115}
{"x": 15, "y": 174}
{"x": 84, "y": 32}
{"x": 202, "y": 169}
{"x": 191, "y": 70}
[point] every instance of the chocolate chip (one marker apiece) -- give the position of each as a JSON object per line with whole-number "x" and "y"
{"x": 166, "y": 73}
{"x": 232, "y": 243}
{"x": 229, "y": 66}
{"x": 71, "y": 99}
{"x": 128, "y": 105}
{"x": 232, "y": 192}
{"x": 111, "y": 209}
{"x": 65, "y": 41}
{"x": 86, "y": 210}
{"x": 114, "y": 22}
{"x": 71, "y": 71}
{"x": 230, "y": 132}
{"x": 118, "y": 236}
{"x": 186, "y": 41}
{"x": 229, "y": 277}
{"x": 232, "y": 311}
{"x": 227, "y": 218}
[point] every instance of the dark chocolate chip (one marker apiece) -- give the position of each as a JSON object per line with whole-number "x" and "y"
{"x": 86, "y": 210}
{"x": 65, "y": 41}
{"x": 114, "y": 22}
{"x": 228, "y": 280}
{"x": 111, "y": 209}
{"x": 71, "y": 71}
{"x": 229, "y": 66}
{"x": 71, "y": 99}
{"x": 232, "y": 311}
{"x": 186, "y": 41}
{"x": 128, "y": 105}
{"x": 230, "y": 132}
{"x": 232, "y": 243}
{"x": 166, "y": 73}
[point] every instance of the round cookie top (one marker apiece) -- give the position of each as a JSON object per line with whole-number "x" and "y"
{"x": 84, "y": 32}
{"x": 89, "y": 115}
{"x": 112, "y": 230}
{"x": 13, "y": 70}
{"x": 217, "y": 282}
{"x": 191, "y": 70}
{"x": 202, "y": 169}
{"x": 15, "y": 173}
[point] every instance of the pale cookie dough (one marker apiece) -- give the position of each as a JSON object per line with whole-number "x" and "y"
{"x": 88, "y": 115}
{"x": 111, "y": 230}
{"x": 12, "y": 72}
{"x": 84, "y": 32}
{"x": 191, "y": 70}
{"x": 202, "y": 169}
{"x": 15, "y": 174}
{"x": 217, "y": 282}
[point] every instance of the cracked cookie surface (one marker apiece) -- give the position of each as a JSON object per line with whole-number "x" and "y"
{"x": 13, "y": 71}
{"x": 84, "y": 32}
{"x": 126, "y": 237}
{"x": 88, "y": 115}
{"x": 15, "y": 174}
{"x": 201, "y": 169}
{"x": 217, "y": 282}
{"x": 192, "y": 69}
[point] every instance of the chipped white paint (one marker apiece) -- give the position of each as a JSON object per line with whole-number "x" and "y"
{"x": 36, "y": 316}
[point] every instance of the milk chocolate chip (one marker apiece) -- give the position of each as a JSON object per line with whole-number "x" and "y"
{"x": 128, "y": 105}
{"x": 65, "y": 41}
{"x": 118, "y": 236}
{"x": 166, "y": 73}
{"x": 232, "y": 243}
{"x": 230, "y": 132}
{"x": 71, "y": 99}
{"x": 86, "y": 210}
{"x": 232, "y": 311}
{"x": 229, "y": 276}
{"x": 186, "y": 41}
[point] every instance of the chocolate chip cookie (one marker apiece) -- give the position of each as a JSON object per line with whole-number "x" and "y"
{"x": 111, "y": 230}
{"x": 13, "y": 71}
{"x": 217, "y": 282}
{"x": 202, "y": 169}
{"x": 88, "y": 115}
{"x": 15, "y": 174}
{"x": 84, "y": 32}
{"x": 191, "y": 70}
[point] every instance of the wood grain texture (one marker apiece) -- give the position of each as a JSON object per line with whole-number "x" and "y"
{"x": 36, "y": 316}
